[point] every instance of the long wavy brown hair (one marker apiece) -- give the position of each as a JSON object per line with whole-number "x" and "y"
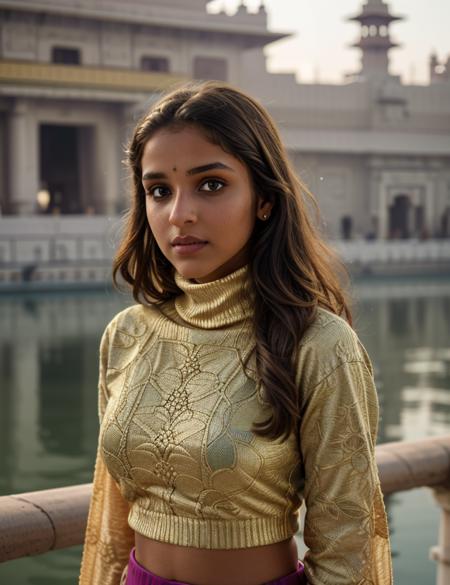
{"x": 292, "y": 269}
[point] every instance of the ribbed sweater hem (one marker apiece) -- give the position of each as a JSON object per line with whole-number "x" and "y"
{"x": 209, "y": 533}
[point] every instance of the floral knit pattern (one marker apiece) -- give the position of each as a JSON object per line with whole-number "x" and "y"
{"x": 179, "y": 463}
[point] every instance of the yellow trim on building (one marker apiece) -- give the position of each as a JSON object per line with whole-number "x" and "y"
{"x": 56, "y": 75}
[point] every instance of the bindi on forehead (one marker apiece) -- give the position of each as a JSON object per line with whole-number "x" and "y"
{"x": 174, "y": 169}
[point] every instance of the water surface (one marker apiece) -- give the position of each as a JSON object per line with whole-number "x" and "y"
{"x": 48, "y": 401}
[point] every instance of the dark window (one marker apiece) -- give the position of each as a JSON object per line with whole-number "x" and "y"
{"x": 210, "y": 68}
{"x": 66, "y": 56}
{"x": 60, "y": 149}
{"x": 399, "y": 215}
{"x": 160, "y": 64}
{"x": 346, "y": 227}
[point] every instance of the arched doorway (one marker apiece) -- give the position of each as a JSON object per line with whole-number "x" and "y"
{"x": 445, "y": 223}
{"x": 59, "y": 167}
{"x": 399, "y": 217}
{"x": 67, "y": 168}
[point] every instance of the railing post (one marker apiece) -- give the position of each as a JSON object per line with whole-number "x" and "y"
{"x": 441, "y": 552}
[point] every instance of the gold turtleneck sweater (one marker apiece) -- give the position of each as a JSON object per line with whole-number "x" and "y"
{"x": 177, "y": 460}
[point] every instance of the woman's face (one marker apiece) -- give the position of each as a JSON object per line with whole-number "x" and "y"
{"x": 200, "y": 203}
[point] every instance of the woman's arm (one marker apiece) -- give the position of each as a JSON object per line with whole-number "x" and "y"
{"x": 345, "y": 525}
{"x": 108, "y": 538}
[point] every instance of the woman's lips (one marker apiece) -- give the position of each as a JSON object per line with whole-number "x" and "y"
{"x": 188, "y": 248}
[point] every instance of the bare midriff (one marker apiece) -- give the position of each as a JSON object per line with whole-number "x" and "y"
{"x": 249, "y": 566}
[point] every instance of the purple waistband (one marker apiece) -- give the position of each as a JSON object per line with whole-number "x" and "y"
{"x": 138, "y": 575}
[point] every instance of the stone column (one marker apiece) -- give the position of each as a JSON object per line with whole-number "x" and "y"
{"x": 374, "y": 203}
{"x": 109, "y": 162}
{"x": 23, "y": 171}
{"x": 411, "y": 216}
{"x": 430, "y": 206}
{"x": 383, "y": 211}
{"x": 441, "y": 553}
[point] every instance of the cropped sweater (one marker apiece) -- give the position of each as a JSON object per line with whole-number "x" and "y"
{"x": 178, "y": 462}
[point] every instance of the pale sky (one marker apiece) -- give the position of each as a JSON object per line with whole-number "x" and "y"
{"x": 319, "y": 49}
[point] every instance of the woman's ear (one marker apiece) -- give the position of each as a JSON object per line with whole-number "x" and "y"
{"x": 263, "y": 210}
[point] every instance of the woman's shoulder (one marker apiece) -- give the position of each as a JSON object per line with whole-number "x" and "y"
{"x": 125, "y": 335}
{"x": 328, "y": 328}
{"x": 133, "y": 321}
{"x": 329, "y": 342}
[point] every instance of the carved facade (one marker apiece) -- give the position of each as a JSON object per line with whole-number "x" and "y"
{"x": 75, "y": 78}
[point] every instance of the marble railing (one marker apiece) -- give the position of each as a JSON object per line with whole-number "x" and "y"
{"x": 37, "y": 522}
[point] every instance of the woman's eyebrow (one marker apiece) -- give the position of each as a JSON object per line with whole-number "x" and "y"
{"x": 209, "y": 167}
{"x": 194, "y": 171}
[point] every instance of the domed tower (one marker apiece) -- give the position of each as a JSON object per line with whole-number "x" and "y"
{"x": 375, "y": 41}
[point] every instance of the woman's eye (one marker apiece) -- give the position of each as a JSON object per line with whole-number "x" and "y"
{"x": 158, "y": 192}
{"x": 212, "y": 185}
{"x": 161, "y": 191}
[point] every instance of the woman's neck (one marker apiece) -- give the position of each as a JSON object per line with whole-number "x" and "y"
{"x": 215, "y": 304}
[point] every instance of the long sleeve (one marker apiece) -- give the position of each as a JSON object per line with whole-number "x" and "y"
{"x": 108, "y": 538}
{"x": 345, "y": 524}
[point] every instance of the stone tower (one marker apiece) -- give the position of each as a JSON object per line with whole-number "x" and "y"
{"x": 375, "y": 41}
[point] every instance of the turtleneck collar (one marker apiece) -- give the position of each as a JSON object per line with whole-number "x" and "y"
{"x": 215, "y": 304}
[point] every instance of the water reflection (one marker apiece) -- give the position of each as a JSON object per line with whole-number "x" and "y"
{"x": 48, "y": 413}
{"x": 405, "y": 326}
{"x": 49, "y": 349}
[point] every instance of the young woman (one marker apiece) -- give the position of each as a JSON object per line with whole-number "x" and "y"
{"x": 234, "y": 390}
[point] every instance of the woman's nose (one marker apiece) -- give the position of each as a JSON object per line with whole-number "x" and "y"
{"x": 182, "y": 210}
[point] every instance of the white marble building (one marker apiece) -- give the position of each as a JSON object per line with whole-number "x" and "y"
{"x": 75, "y": 76}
